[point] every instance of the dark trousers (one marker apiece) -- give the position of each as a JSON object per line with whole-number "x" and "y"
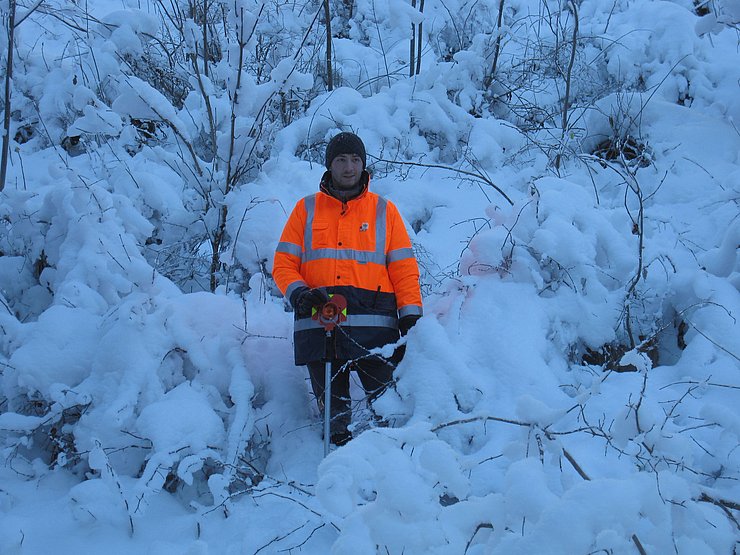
{"x": 375, "y": 375}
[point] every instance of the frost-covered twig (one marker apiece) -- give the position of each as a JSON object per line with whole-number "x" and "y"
{"x": 636, "y": 408}
{"x": 481, "y": 526}
{"x": 99, "y": 460}
{"x": 713, "y": 342}
{"x": 670, "y": 413}
{"x": 4, "y": 303}
{"x": 703, "y": 383}
{"x": 477, "y": 176}
{"x": 638, "y": 544}
{"x": 281, "y": 538}
{"x": 22, "y": 17}
{"x": 269, "y": 492}
{"x": 461, "y": 421}
{"x": 575, "y": 465}
{"x": 629, "y": 176}
{"x": 724, "y": 504}
{"x": 176, "y": 130}
{"x": 382, "y": 45}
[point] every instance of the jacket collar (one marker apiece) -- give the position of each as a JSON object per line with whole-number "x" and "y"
{"x": 326, "y": 187}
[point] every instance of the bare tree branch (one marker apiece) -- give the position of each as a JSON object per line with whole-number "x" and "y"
{"x": 477, "y": 176}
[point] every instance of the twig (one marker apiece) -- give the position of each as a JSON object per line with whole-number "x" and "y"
{"x": 480, "y": 419}
{"x": 382, "y": 46}
{"x": 477, "y": 176}
{"x": 575, "y": 465}
{"x": 639, "y": 403}
{"x": 481, "y": 526}
{"x": 305, "y": 541}
{"x": 713, "y": 342}
{"x": 5, "y": 304}
{"x": 280, "y": 538}
{"x": 638, "y": 544}
{"x": 692, "y": 382}
{"x": 32, "y": 9}
{"x": 722, "y": 502}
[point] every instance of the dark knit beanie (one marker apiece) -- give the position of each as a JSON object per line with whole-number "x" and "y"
{"x": 345, "y": 143}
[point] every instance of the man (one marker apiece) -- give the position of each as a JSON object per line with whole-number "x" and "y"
{"x": 346, "y": 240}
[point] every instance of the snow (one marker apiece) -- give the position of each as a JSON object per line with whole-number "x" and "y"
{"x": 573, "y": 384}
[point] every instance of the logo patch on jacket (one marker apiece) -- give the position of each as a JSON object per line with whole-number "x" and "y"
{"x": 365, "y": 226}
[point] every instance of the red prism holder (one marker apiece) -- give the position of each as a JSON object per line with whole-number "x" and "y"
{"x": 331, "y": 313}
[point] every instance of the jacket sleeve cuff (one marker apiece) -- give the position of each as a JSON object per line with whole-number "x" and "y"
{"x": 410, "y": 310}
{"x": 295, "y": 289}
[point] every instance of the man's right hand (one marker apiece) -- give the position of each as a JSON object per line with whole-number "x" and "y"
{"x": 310, "y": 298}
{"x": 406, "y": 323}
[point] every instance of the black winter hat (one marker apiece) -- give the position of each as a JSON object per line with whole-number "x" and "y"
{"x": 345, "y": 143}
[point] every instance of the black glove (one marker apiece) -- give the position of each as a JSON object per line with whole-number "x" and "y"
{"x": 307, "y": 298}
{"x": 406, "y": 323}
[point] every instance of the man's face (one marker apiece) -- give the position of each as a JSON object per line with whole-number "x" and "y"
{"x": 346, "y": 170}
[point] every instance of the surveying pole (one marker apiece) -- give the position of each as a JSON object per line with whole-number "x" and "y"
{"x": 329, "y": 315}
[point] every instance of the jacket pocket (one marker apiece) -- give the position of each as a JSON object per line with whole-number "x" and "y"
{"x": 321, "y": 235}
{"x": 377, "y": 302}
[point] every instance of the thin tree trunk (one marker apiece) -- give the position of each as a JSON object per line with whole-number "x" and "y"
{"x": 8, "y": 81}
{"x": 568, "y": 77}
{"x": 497, "y": 49}
{"x": 329, "y": 71}
{"x": 418, "y": 39}
{"x": 205, "y": 38}
{"x": 571, "y": 62}
{"x": 412, "y": 45}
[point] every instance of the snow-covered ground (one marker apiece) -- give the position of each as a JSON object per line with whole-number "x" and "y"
{"x": 574, "y": 384}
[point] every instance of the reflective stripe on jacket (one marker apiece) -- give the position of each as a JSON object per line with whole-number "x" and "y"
{"x": 359, "y": 249}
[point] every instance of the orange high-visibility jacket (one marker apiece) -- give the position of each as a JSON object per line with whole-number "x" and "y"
{"x": 359, "y": 249}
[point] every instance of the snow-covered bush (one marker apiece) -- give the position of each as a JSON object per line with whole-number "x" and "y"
{"x": 572, "y": 387}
